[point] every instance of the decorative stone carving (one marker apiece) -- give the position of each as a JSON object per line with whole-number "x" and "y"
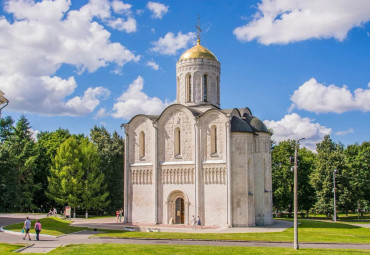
{"x": 177, "y": 174}
{"x": 141, "y": 176}
{"x": 214, "y": 175}
{"x": 176, "y": 119}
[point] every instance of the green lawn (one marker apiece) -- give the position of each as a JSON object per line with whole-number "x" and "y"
{"x": 80, "y": 249}
{"x": 186, "y": 249}
{"x": 50, "y": 226}
{"x": 308, "y": 231}
{"x": 9, "y": 248}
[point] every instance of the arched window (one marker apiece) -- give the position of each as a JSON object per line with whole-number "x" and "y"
{"x": 213, "y": 140}
{"x": 188, "y": 87}
{"x": 142, "y": 144}
{"x": 205, "y": 88}
{"x": 177, "y": 142}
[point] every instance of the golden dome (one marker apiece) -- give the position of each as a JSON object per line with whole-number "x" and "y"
{"x": 198, "y": 51}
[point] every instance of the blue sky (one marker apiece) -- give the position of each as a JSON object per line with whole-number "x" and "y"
{"x": 303, "y": 67}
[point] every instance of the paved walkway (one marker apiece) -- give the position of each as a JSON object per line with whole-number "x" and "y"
{"x": 49, "y": 243}
{"x": 110, "y": 223}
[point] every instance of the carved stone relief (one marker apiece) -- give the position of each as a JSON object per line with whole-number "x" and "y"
{"x": 214, "y": 174}
{"x": 141, "y": 176}
{"x": 177, "y": 175}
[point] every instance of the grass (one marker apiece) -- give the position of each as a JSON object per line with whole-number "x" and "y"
{"x": 9, "y": 248}
{"x": 186, "y": 249}
{"x": 308, "y": 231}
{"x": 50, "y": 226}
{"x": 81, "y": 249}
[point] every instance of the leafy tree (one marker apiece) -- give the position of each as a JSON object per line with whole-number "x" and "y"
{"x": 329, "y": 157}
{"x": 283, "y": 177}
{"x": 357, "y": 177}
{"x": 94, "y": 194}
{"x": 110, "y": 149}
{"x": 47, "y": 146}
{"x": 18, "y": 156}
{"x": 306, "y": 166}
{"x": 66, "y": 176}
{"x": 6, "y": 128}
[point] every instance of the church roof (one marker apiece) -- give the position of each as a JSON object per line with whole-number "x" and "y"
{"x": 198, "y": 51}
{"x": 239, "y": 125}
{"x": 256, "y": 124}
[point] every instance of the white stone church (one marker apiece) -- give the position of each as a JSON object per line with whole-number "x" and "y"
{"x": 196, "y": 158}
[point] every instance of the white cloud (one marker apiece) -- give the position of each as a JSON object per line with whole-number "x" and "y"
{"x": 46, "y": 95}
{"x": 89, "y": 101}
{"x": 153, "y": 65}
{"x": 158, "y": 9}
{"x": 316, "y": 97}
{"x": 282, "y": 22}
{"x": 345, "y": 132}
{"x": 294, "y": 127}
{"x": 34, "y": 134}
{"x": 120, "y": 7}
{"x": 120, "y": 24}
{"x": 39, "y": 38}
{"x": 134, "y": 101}
{"x": 170, "y": 44}
{"x": 101, "y": 113}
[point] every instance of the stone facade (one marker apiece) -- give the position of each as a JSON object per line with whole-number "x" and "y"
{"x": 197, "y": 159}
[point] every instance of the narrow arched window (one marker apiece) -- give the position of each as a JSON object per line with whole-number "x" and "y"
{"x": 142, "y": 144}
{"x": 205, "y": 88}
{"x": 177, "y": 142}
{"x": 188, "y": 88}
{"x": 213, "y": 140}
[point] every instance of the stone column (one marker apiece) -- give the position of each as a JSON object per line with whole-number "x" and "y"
{"x": 126, "y": 174}
{"x": 155, "y": 171}
{"x": 197, "y": 167}
{"x": 228, "y": 166}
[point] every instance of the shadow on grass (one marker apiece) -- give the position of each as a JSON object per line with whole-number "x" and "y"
{"x": 323, "y": 224}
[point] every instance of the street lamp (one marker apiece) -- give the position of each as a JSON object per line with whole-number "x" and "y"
{"x": 335, "y": 208}
{"x": 296, "y": 246}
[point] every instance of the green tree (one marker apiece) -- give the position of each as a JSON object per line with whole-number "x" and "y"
{"x": 47, "y": 145}
{"x": 283, "y": 177}
{"x": 18, "y": 156}
{"x": 329, "y": 157}
{"x": 110, "y": 149}
{"x": 6, "y": 128}
{"x": 66, "y": 183}
{"x": 306, "y": 166}
{"x": 356, "y": 175}
{"x": 94, "y": 194}
{"x": 7, "y": 177}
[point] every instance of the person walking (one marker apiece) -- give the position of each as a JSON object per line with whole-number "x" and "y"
{"x": 120, "y": 215}
{"x": 199, "y": 223}
{"x": 194, "y": 222}
{"x": 38, "y": 229}
{"x": 117, "y": 215}
{"x": 27, "y": 227}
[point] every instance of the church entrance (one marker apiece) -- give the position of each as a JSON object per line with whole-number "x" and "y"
{"x": 177, "y": 208}
{"x": 180, "y": 211}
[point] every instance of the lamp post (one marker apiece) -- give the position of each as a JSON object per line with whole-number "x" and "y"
{"x": 296, "y": 246}
{"x": 335, "y": 208}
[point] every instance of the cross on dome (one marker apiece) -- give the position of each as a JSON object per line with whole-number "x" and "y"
{"x": 199, "y": 31}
